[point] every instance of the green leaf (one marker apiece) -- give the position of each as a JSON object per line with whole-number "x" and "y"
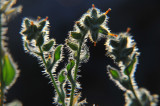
{"x": 101, "y": 19}
{"x": 47, "y": 47}
{"x": 27, "y": 30}
{"x": 114, "y": 73}
{"x": 103, "y": 30}
{"x": 123, "y": 42}
{"x": 114, "y": 43}
{"x": 115, "y": 52}
{"x": 94, "y": 34}
{"x": 69, "y": 67}
{"x": 33, "y": 28}
{"x": 27, "y": 23}
{"x": 31, "y": 32}
{"x": 82, "y": 28}
{"x": 73, "y": 46}
{"x": 26, "y": 46}
{"x": 128, "y": 51}
{"x": 76, "y": 35}
{"x": 125, "y": 82}
{"x": 40, "y": 40}
{"x": 9, "y": 71}
{"x": 61, "y": 77}
{"x": 88, "y": 21}
{"x": 31, "y": 36}
{"x": 48, "y": 63}
{"x": 57, "y": 57}
{"x": 41, "y": 25}
{"x": 75, "y": 55}
{"x": 94, "y": 13}
{"x": 57, "y": 53}
{"x": 130, "y": 67}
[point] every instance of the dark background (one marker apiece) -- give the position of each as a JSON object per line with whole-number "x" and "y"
{"x": 143, "y": 16}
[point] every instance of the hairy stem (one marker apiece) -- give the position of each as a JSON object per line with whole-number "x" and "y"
{"x": 42, "y": 56}
{"x": 57, "y": 90}
{"x": 52, "y": 78}
{"x": 1, "y": 73}
{"x": 75, "y": 73}
{"x": 134, "y": 92}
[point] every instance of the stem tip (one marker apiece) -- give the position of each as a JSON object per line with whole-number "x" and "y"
{"x": 107, "y": 11}
{"x": 94, "y": 43}
{"x": 93, "y": 6}
{"x": 128, "y": 30}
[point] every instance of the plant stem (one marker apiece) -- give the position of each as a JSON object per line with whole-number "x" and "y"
{"x": 52, "y": 78}
{"x": 57, "y": 90}
{"x": 134, "y": 92}
{"x": 75, "y": 73}
{"x": 1, "y": 73}
{"x": 42, "y": 56}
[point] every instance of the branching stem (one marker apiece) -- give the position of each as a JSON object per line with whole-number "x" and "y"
{"x": 75, "y": 73}
{"x": 52, "y": 78}
{"x": 134, "y": 92}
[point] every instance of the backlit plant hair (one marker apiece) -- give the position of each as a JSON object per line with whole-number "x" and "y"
{"x": 122, "y": 49}
{"x": 37, "y": 43}
{"x": 91, "y": 25}
{"x": 8, "y": 68}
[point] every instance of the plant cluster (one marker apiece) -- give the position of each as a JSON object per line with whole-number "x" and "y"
{"x": 92, "y": 26}
{"x": 123, "y": 51}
